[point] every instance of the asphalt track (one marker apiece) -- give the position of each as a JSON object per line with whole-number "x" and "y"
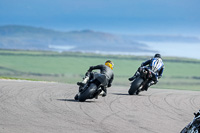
{"x": 42, "y": 107}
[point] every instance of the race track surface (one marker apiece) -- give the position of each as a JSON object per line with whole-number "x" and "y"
{"x": 40, "y": 107}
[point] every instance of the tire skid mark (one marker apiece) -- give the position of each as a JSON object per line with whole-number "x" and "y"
{"x": 178, "y": 101}
{"x": 66, "y": 112}
{"x": 155, "y": 106}
{"x": 163, "y": 109}
{"x": 58, "y": 112}
{"x": 2, "y": 93}
{"x": 18, "y": 96}
{"x": 121, "y": 107}
{"x": 68, "y": 95}
{"x": 112, "y": 114}
{"x": 47, "y": 105}
{"x": 121, "y": 110}
{"x": 5, "y": 94}
{"x": 192, "y": 102}
{"x": 124, "y": 107}
{"x": 4, "y": 101}
{"x": 37, "y": 109}
{"x": 67, "y": 103}
{"x": 13, "y": 96}
{"x": 84, "y": 112}
{"x": 20, "y": 100}
{"x": 133, "y": 101}
{"x": 102, "y": 123}
{"x": 49, "y": 112}
{"x": 174, "y": 109}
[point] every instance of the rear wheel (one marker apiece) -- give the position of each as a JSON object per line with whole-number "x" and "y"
{"x": 87, "y": 93}
{"x": 135, "y": 86}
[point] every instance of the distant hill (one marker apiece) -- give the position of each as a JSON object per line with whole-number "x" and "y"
{"x": 36, "y": 38}
{"x": 164, "y": 38}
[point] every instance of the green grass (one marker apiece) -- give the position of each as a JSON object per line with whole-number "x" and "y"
{"x": 70, "y": 67}
{"x": 12, "y": 78}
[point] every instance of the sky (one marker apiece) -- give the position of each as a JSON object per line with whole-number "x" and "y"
{"x": 180, "y": 17}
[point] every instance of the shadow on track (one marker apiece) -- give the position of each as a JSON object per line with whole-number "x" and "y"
{"x": 120, "y": 93}
{"x": 124, "y": 94}
{"x": 72, "y": 100}
{"x": 69, "y": 100}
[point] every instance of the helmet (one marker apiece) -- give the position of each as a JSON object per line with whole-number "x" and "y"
{"x": 157, "y": 55}
{"x": 109, "y": 64}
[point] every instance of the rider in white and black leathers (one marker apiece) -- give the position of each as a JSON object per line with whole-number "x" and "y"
{"x": 156, "y": 65}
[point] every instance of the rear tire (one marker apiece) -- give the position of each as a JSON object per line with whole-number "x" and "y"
{"x": 88, "y": 93}
{"x": 135, "y": 86}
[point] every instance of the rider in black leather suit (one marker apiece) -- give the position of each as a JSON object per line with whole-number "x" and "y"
{"x": 107, "y": 74}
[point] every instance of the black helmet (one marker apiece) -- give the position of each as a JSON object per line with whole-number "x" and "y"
{"x": 157, "y": 55}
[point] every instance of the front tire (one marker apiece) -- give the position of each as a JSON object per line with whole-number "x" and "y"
{"x": 135, "y": 86}
{"x": 184, "y": 130}
{"x": 76, "y": 97}
{"x": 88, "y": 93}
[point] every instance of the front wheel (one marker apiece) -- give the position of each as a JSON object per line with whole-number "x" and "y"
{"x": 76, "y": 97}
{"x": 135, "y": 86}
{"x": 87, "y": 93}
{"x": 184, "y": 130}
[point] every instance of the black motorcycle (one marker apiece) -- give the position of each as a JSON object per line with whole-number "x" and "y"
{"x": 141, "y": 81}
{"x": 92, "y": 88}
{"x": 194, "y": 125}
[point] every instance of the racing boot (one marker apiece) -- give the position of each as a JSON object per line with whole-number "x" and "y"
{"x": 151, "y": 83}
{"x": 82, "y": 83}
{"x": 104, "y": 94}
{"x": 197, "y": 114}
{"x": 134, "y": 76}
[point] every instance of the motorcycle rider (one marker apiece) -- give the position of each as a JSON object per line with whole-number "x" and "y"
{"x": 156, "y": 65}
{"x": 107, "y": 74}
{"x": 197, "y": 114}
{"x": 193, "y": 126}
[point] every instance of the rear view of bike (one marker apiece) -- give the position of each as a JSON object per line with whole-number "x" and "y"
{"x": 135, "y": 86}
{"x": 140, "y": 83}
{"x": 87, "y": 93}
{"x": 91, "y": 89}
{"x": 194, "y": 125}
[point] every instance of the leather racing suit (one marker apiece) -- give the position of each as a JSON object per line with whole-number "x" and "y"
{"x": 157, "y": 66}
{"x": 107, "y": 73}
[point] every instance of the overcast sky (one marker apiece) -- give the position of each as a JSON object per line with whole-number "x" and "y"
{"x": 116, "y": 16}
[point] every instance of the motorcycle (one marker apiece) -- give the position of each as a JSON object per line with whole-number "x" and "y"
{"x": 141, "y": 81}
{"x": 194, "y": 125}
{"x": 92, "y": 88}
